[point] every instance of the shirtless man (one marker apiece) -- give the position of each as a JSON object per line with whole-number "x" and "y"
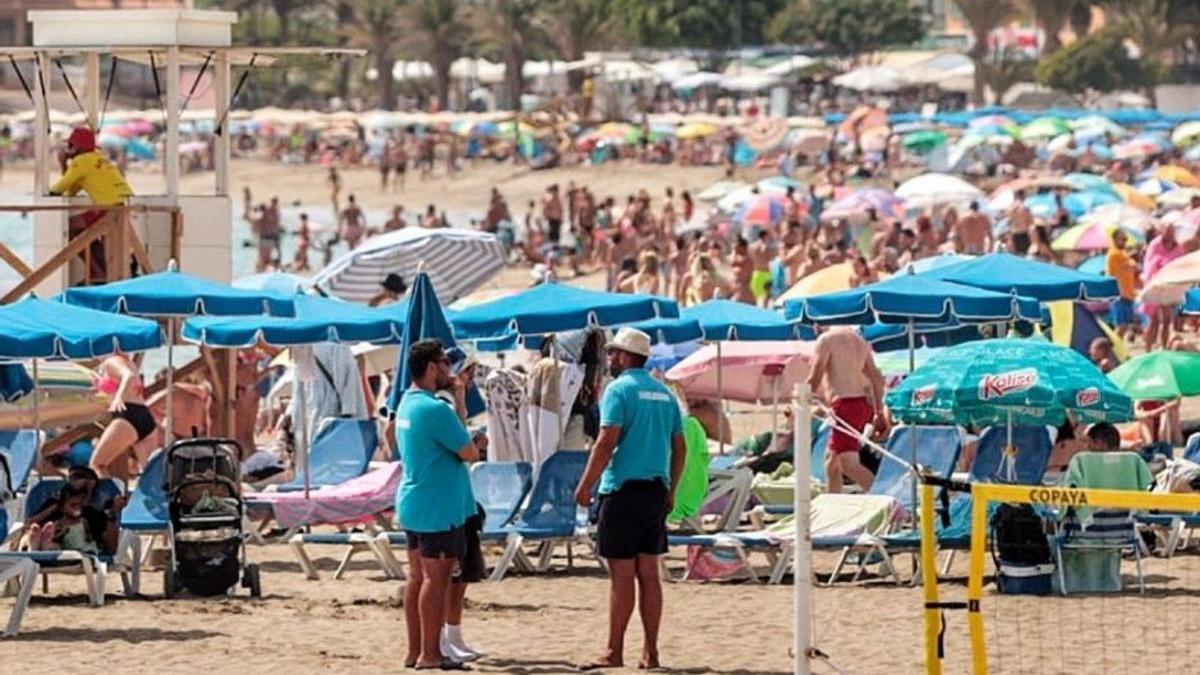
{"x": 843, "y": 362}
{"x": 974, "y": 232}
{"x": 396, "y": 222}
{"x": 552, "y": 214}
{"x": 742, "y": 271}
{"x": 760, "y": 259}
{"x": 352, "y": 224}
{"x": 1020, "y": 221}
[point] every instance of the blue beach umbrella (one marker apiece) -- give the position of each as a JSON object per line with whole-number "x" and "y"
{"x": 550, "y": 308}
{"x": 425, "y": 319}
{"x": 317, "y": 320}
{"x": 723, "y": 320}
{"x": 1007, "y": 273}
{"x": 273, "y": 282}
{"x": 173, "y": 294}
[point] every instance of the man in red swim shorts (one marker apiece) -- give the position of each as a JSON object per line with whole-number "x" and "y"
{"x": 844, "y": 364}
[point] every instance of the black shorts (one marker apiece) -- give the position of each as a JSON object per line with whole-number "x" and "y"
{"x": 554, "y": 229}
{"x": 140, "y": 417}
{"x": 471, "y": 568}
{"x": 1021, "y": 242}
{"x": 633, "y": 520}
{"x": 450, "y": 543}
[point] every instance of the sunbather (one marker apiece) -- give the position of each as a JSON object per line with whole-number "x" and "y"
{"x": 73, "y": 524}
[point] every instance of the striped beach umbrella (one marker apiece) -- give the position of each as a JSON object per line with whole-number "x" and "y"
{"x": 1093, "y": 237}
{"x": 765, "y": 210}
{"x": 457, "y": 261}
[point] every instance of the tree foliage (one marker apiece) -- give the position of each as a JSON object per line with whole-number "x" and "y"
{"x": 850, "y": 27}
{"x": 702, "y": 24}
{"x": 1099, "y": 62}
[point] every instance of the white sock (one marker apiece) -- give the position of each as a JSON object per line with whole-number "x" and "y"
{"x": 451, "y": 647}
{"x": 454, "y": 636}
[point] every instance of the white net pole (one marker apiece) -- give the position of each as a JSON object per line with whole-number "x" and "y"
{"x": 802, "y": 500}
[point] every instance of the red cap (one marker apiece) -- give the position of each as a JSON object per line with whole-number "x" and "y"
{"x": 82, "y": 139}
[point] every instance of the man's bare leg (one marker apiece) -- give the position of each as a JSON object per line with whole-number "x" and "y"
{"x": 432, "y": 605}
{"x": 622, "y": 579}
{"x": 412, "y": 611}
{"x": 650, "y": 605}
{"x": 854, "y": 470}
{"x": 833, "y": 473}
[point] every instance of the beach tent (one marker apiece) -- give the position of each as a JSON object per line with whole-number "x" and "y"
{"x": 1073, "y": 325}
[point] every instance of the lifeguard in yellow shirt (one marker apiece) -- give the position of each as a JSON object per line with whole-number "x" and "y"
{"x": 89, "y": 170}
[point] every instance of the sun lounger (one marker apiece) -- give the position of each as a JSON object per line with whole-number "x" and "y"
{"x": 551, "y": 516}
{"x": 341, "y": 450}
{"x": 20, "y": 450}
{"x": 499, "y": 487}
{"x": 22, "y": 572}
{"x": 775, "y": 495}
{"x": 146, "y": 513}
{"x": 94, "y": 568}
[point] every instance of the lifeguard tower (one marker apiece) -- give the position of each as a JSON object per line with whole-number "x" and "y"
{"x": 194, "y": 229}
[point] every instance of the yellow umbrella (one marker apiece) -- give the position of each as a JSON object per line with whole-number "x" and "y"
{"x": 827, "y": 280}
{"x": 695, "y": 130}
{"x": 1134, "y": 198}
{"x": 1178, "y": 175}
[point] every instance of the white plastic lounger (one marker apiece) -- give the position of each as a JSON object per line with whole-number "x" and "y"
{"x": 22, "y": 572}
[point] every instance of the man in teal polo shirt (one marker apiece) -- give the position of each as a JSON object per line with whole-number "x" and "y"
{"x": 434, "y": 500}
{"x": 638, "y": 459}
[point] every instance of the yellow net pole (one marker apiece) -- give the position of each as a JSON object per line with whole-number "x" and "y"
{"x": 933, "y": 662}
{"x": 979, "y": 508}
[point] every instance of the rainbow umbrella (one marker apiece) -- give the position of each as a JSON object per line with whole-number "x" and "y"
{"x": 885, "y": 203}
{"x": 1093, "y": 237}
{"x": 764, "y": 210}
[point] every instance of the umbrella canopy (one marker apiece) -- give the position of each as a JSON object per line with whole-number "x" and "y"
{"x": 719, "y": 189}
{"x": 906, "y": 297}
{"x": 1178, "y": 175}
{"x": 1159, "y": 376}
{"x": 1178, "y": 199}
{"x": 43, "y": 329}
{"x": 457, "y": 262}
{"x": 729, "y": 320}
{"x": 1045, "y": 127}
{"x": 937, "y": 261}
{"x": 1094, "y": 237}
{"x": 1093, "y": 265}
{"x": 425, "y": 319}
{"x": 764, "y": 133}
{"x": 671, "y": 331}
{"x": 923, "y": 141}
{"x": 1077, "y": 203}
{"x": 886, "y": 204}
{"x": 695, "y": 130}
{"x": 764, "y": 210}
{"x": 177, "y": 294}
{"x": 932, "y": 190}
{"x": 1191, "y": 302}
{"x": 1180, "y": 273}
{"x": 826, "y": 280}
{"x": 1133, "y": 197}
{"x": 1006, "y": 273}
{"x": 1186, "y": 134}
{"x": 894, "y": 337}
{"x": 1025, "y": 382}
{"x": 317, "y": 320}
{"x": 1096, "y": 125}
{"x": 754, "y": 372}
{"x": 1128, "y": 215}
{"x": 550, "y": 308}
{"x": 1088, "y": 181}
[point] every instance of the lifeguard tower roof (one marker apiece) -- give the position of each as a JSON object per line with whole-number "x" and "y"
{"x": 132, "y": 28}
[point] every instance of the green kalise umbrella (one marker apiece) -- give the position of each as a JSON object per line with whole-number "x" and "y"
{"x": 923, "y": 141}
{"x": 1159, "y": 375}
{"x": 1018, "y": 382}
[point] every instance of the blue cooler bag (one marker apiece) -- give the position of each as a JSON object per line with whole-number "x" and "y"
{"x": 1021, "y": 551}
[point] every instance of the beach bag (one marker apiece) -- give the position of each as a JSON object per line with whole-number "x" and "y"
{"x": 1021, "y": 551}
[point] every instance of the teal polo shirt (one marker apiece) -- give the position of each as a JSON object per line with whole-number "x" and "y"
{"x": 648, "y": 415}
{"x": 435, "y": 494}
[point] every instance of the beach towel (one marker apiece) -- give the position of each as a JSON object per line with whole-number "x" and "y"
{"x": 504, "y": 390}
{"x": 551, "y": 388}
{"x": 357, "y": 500}
{"x": 1106, "y": 470}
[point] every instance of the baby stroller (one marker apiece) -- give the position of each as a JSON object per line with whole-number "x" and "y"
{"x": 204, "y": 499}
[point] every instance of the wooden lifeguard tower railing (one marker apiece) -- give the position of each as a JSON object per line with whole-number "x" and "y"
{"x": 149, "y": 230}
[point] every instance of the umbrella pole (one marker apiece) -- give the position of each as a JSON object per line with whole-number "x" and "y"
{"x": 1010, "y": 453}
{"x": 720, "y": 403}
{"x": 912, "y": 348}
{"x": 301, "y": 422}
{"x": 37, "y": 415}
{"x": 170, "y": 415}
{"x": 801, "y": 506}
{"x": 774, "y": 409}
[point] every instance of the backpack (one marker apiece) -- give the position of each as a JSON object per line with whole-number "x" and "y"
{"x": 1021, "y": 551}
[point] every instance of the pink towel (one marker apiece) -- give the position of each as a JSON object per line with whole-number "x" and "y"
{"x": 356, "y": 501}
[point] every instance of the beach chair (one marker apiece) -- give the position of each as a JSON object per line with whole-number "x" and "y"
{"x": 146, "y": 514}
{"x": 499, "y": 487}
{"x": 365, "y": 500}
{"x": 853, "y": 523}
{"x": 18, "y": 575}
{"x": 20, "y": 449}
{"x": 992, "y": 464}
{"x": 94, "y": 568}
{"x": 341, "y": 450}
{"x": 551, "y": 517}
{"x": 1178, "y": 528}
{"x": 729, "y": 482}
{"x": 1083, "y": 529}
{"x": 775, "y": 497}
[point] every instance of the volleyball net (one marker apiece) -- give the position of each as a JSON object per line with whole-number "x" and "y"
{"x": 1131, "y": 600}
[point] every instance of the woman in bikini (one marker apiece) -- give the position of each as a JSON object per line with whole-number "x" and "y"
{"x": 132, "y": 421}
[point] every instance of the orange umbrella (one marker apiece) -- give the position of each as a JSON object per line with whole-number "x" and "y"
{"x": 1178, "y": 175}
{"x": 1132, "y": 197}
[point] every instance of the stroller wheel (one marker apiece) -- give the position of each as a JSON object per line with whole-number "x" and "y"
{"x": 169, "y": 584}
{"x": 251, "y": 580}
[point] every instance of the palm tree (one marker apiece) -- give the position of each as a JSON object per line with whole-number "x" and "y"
{"x": 512, "y": 25}
{"x": 375, "y": 27}
{"x": 439, "y": 32}
{"x": 1051, "y": 16}
{"x": 983, "y": 16}
{"x": 577, "y": 26}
